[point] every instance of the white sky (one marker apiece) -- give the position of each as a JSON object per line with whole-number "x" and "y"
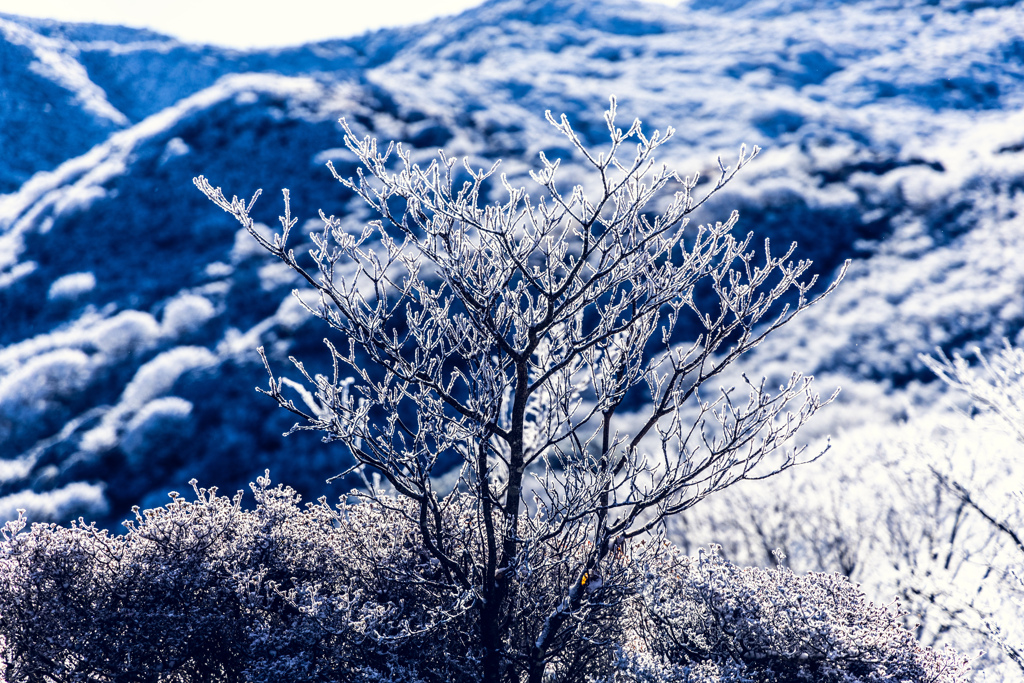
{"x": 246, "y": 23}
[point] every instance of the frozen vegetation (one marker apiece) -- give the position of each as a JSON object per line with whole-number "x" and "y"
{"x": 130, "y": 308}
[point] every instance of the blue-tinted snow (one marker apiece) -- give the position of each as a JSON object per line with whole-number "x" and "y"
{"x": 891, "y": 135}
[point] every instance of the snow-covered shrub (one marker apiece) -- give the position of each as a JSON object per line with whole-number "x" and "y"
{"x": 46, "y": 377}
{"x": 927, "y": 509}
{"x": 996, "y": 388}
{"x": 71, "y": 286}
{"x": 130, "y": 418}
{"x": 158, "y": 376}
{"x": 765, "y": 625}
{"x": 125, "y": 333}
{"x": 186, "y": 313}
{"x": 205, "y": 590}
{"x": 79, "y": 604}
{"x": 34, "y": 397}
{"x": 157, "y": 435}
{"x": 874, "y": 512}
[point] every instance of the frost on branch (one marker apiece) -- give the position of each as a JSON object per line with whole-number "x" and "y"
{"x": 563, "y": 349}
{"x": 996, "y": 387}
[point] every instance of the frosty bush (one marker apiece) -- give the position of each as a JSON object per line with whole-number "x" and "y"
{"x": 998, "y": 386}
{"x": 204, "y": 590}
{"x": 751, "y": 624}
{"x": 77, "y": 604}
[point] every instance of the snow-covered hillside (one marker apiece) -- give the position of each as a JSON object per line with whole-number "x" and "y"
{"x": 130, "y": 307}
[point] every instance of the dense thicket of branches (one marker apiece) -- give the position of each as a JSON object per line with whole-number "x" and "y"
{"x": 945, "y": 533}
{"x": 996, "y": 387}
{"x": 203, "y": 590}
{"x": 515, "y": 336}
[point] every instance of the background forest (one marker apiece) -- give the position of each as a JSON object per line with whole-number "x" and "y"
{"x": 892, "y": 135}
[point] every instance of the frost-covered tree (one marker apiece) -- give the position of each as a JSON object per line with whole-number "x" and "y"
{"x": 927, "y": 509}
{"x": 997, "y": 387}
{"x": 563, "y": 350}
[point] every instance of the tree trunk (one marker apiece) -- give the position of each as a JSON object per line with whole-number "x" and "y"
{"x": 491, "y": 665}
{"x": 492, "y": 630}
{"x": 536, "y": 672}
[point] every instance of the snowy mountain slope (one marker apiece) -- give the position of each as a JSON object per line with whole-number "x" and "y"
{"x": 880, "y": 122}
{"x": 144, "y": 76}
{"x": 117, "y": 76}
{"x": 115, "y": 280}
{"x": 130, "y": 306}
{"x": 49, "y": 109}
{"x": 857, "y": 88}
{"x": 142, "y": 72}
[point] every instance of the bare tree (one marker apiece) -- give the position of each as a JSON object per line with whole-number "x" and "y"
{"x": 997, "y": 387}
{"x": 561, "y": 349}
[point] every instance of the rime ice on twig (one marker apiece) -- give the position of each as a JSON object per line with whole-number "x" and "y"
{"x": 515, "y": 336}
